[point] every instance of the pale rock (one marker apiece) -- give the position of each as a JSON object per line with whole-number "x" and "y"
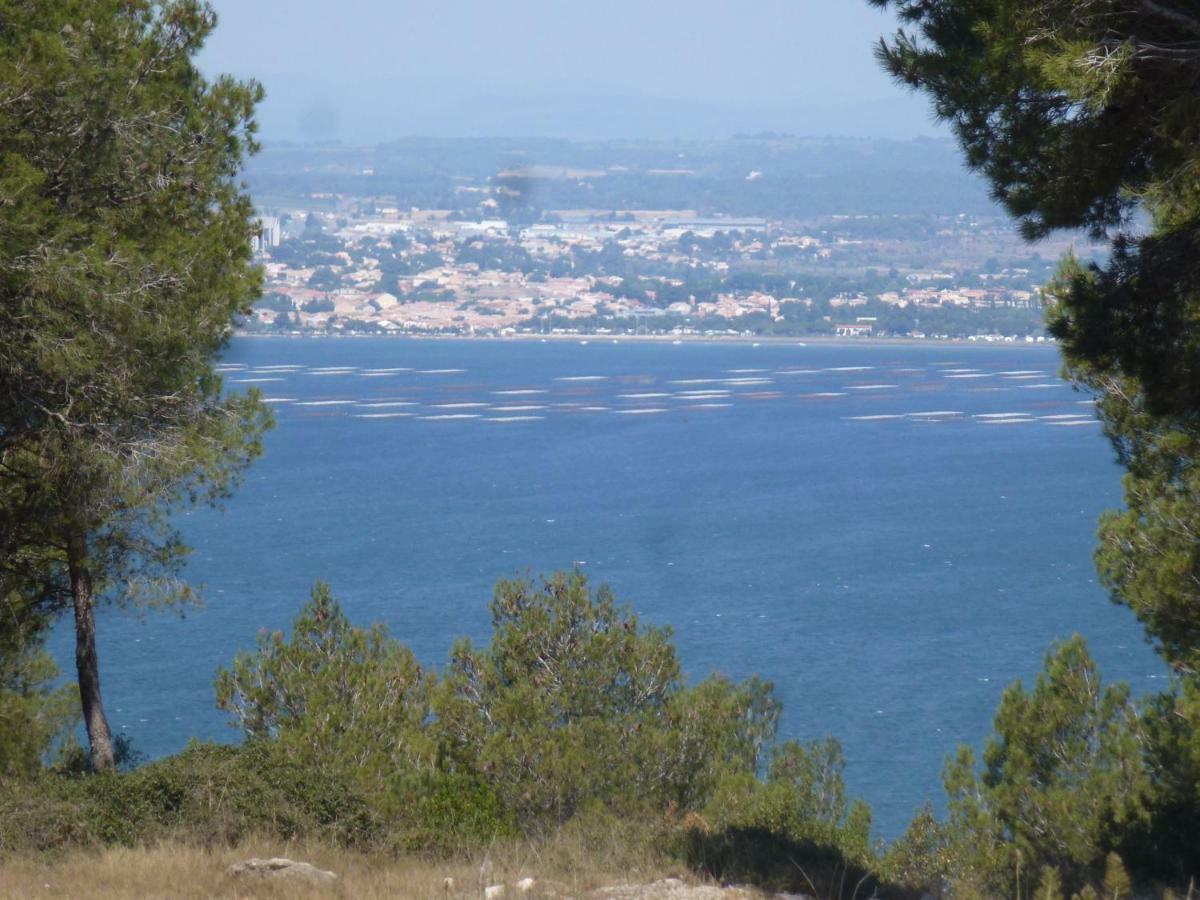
{"x": 673, "y": 889}
{"x": 281, "y": 868}
{"x": 525, "y": 885}
{"x": 492, "y": 891}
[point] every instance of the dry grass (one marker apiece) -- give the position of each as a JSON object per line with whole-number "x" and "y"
{"x": 566, "y": 864}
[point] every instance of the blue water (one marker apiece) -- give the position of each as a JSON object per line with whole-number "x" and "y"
{"x": 890, "y": 575}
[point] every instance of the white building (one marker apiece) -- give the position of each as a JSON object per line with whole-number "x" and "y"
{"x": 270, "y": 233}
{"x": 385, "y": 301}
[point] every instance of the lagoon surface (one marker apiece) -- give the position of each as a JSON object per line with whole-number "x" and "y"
{"x": 889, "y": 532}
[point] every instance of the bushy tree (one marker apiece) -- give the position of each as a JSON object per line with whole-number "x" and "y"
{"x": 576, "y": 702}
{"x": 711, "y": 729}
{"x": 34, "y": 712}
{"x": 919, "y": 858}
{"x": 802, "y": 798}
{"x": 333, "y": 696}
{"x": 1083, "y": 114}
{"x": 1149, "y": 553}
{"x": 124, "y": 257}
{"x": 1165, "y": 846}
{"x": 573, "y": 708}
{"x": 1063, "y": 780}
{"x": 795, "y": 829}
{"x": 324, "y": 279}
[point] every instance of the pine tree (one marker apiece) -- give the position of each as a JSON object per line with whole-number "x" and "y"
{"x": 334, "y": 697}
{"x": 1063, "y": 779}
{"x": 124, "y": 257}
{"x": 1083, "y": 114}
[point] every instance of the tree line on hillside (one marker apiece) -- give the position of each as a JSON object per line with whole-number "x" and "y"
{"x": 124, "y": 259}
{"x": 799, "y": 176}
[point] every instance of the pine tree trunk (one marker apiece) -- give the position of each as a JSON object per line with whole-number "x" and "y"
{"x": 86, "y": 662}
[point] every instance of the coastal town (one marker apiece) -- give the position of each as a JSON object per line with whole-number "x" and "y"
{"x": 379, "y": 269}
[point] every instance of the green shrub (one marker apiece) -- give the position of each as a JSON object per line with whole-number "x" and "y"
{"x": 208, "y": 794}
{"x": 1162, "y": 846}
{"x": 793, "y": 831}
{"x": 444, "y": 812}
{"x": 34, "y": 715}
{"x": 347, "y": 702}
{"x": 573, "y": 723}
{"x": 711, "y": 731}
{"x": 1063, "y": 780}
{"x": 803, "y": 798}
{"x": 919, "y": 858}
{"x": 575, "y": 702}
{"x": 35, "y": 817}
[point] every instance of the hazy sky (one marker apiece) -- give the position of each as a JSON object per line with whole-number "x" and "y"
{"x": 369, "y": 70}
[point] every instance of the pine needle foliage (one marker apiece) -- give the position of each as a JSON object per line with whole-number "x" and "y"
{"x": 1084, "y": 114}
{"x": 1064, "y": 780}
{"x": 333, "y": 696}
{"x": 576, "y": 702}
{"x": 124, "y": 259}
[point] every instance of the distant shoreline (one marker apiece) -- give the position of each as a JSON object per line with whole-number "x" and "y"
{"x": 822, "y": 340}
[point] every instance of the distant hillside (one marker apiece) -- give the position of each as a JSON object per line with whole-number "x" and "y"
{"x": 776, "y": 176}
